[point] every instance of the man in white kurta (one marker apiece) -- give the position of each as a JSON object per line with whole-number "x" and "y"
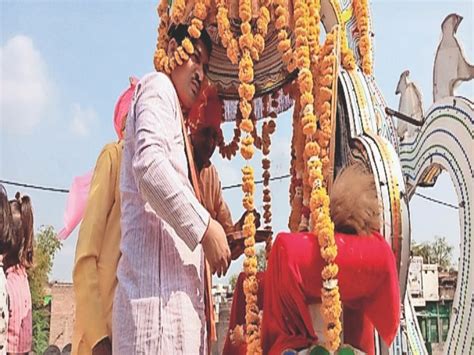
{"x": 159, "y": 302}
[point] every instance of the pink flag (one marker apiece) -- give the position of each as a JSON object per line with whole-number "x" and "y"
{"x": 76, "y": 204}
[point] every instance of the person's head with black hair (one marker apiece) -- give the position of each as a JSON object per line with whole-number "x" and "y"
{"x": 188, "y": 77}
{"x": 6, "y": 221}
{"x": 20, "y": 250}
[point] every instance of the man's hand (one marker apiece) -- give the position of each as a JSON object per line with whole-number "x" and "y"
{"x": 216, "y": 249}
{"x": 240, "y": 223}
{"x": 103, "y": 347}
{"x": 237, "y": 248}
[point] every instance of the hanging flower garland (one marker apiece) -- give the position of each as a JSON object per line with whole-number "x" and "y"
{"x": 262, "y": 28}
{"x": 362, "y": 18}
{"x": 230, "y": 150}
{"x": 297, "y": 178}
{"x": 246, "y": 94}
{"x": 269, "y": 127}
{"x": 305, "y": 85}
{"x": 160, "y": 59}
{"x": 317, "y": 166}
{"x": 225, "y": 33}
{"x": 252, "y": 317}
{"x": 314, "y": 30}
{"x": 284, "y": 41}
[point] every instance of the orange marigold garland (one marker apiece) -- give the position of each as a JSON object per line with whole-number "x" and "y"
{"x": 262, "y": 28}
{"x": 317, "y": 156}
{"x": 303, "y": 53}
{"x": 298, "y": 167}
{"x": 225, "y": 33}
{"x": 246, "y": 93}
{"x": 160, "y": 59}
{"x": 177, "y": 13}
{"x": 281, "y": 24}
{"x": 362, "y": 18}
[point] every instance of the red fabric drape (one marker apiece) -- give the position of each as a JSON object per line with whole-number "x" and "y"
{"x": 368, "y": 285}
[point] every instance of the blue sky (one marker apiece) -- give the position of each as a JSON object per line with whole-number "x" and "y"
{"x": 63, "y": 65}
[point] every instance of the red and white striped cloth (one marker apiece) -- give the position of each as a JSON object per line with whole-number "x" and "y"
{"x": 20, "y": 318}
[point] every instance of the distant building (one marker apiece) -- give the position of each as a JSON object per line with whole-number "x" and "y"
{"x": 222, "y": 301}
{"x": 62, "y": 314}
{"x": 432, "y": 294}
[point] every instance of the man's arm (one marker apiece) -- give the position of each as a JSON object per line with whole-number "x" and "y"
{"x": 222, "y": 211}
{"x": 157, "y": 180}
{"x": 89, "y": 311}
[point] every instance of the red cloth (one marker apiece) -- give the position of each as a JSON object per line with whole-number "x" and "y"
{"x": 368, "y": 284}
{"x": 207, "y": 111}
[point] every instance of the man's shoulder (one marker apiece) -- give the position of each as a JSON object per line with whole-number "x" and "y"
{"x": 110, "y": 150}
{"x": 209, "y": 173}
{"x": 156, "y": 79}
{"x": 112, "y": 146}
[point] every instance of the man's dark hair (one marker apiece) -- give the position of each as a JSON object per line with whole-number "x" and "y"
{"x": 179, "y": 32}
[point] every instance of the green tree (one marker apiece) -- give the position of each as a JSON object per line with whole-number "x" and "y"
{"x": 45, "y": 247}
{"x": 261, "y": 260}
{"x": 233, "y": 281}
{"x": 437, "y": 251}
{"x": 261, "y": 266}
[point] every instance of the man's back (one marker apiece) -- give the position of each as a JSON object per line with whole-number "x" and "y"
{"x": 97, "y": 253}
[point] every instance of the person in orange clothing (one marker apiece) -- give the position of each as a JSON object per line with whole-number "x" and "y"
{"x": 97, "y": 250}
{"x": 205, "y": 131}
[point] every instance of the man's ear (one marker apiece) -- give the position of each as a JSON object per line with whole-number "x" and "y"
{"x": 172, "y": 45}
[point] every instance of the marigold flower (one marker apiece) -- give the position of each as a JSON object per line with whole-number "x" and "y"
{"x": 306, "y": 98}
{"x": 249, "y": 251}
{"x": 282, "y": 35}
{"x": 194, "y": 31}
{"x": 246, "y": 91}
{"x": 245, "y": 109}
{"x": 247, "y": 152}
{"x": 245, "y": 28}
{"x": 309, "y": 129}
{"x": 200, "y": 10}
{"x": 182, "y": 53}
{"x": 281, "y": 22}
{"x": 188, "y": 46}
{"x": 177, "y": 12}
{"x": 177, "y": 58}
{"x": 259, "y": 43}
{"x": 248, "y": 205}
{"x": 246, "y": 125}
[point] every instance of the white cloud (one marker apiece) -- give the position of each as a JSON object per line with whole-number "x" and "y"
{"x": 83, "y": 120}
{"x": 27, "y": 92}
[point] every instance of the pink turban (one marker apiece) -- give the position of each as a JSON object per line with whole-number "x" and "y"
{"x": 122, "y": 106}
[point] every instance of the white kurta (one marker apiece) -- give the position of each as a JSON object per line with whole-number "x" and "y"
{"x": 159, "y": 302}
